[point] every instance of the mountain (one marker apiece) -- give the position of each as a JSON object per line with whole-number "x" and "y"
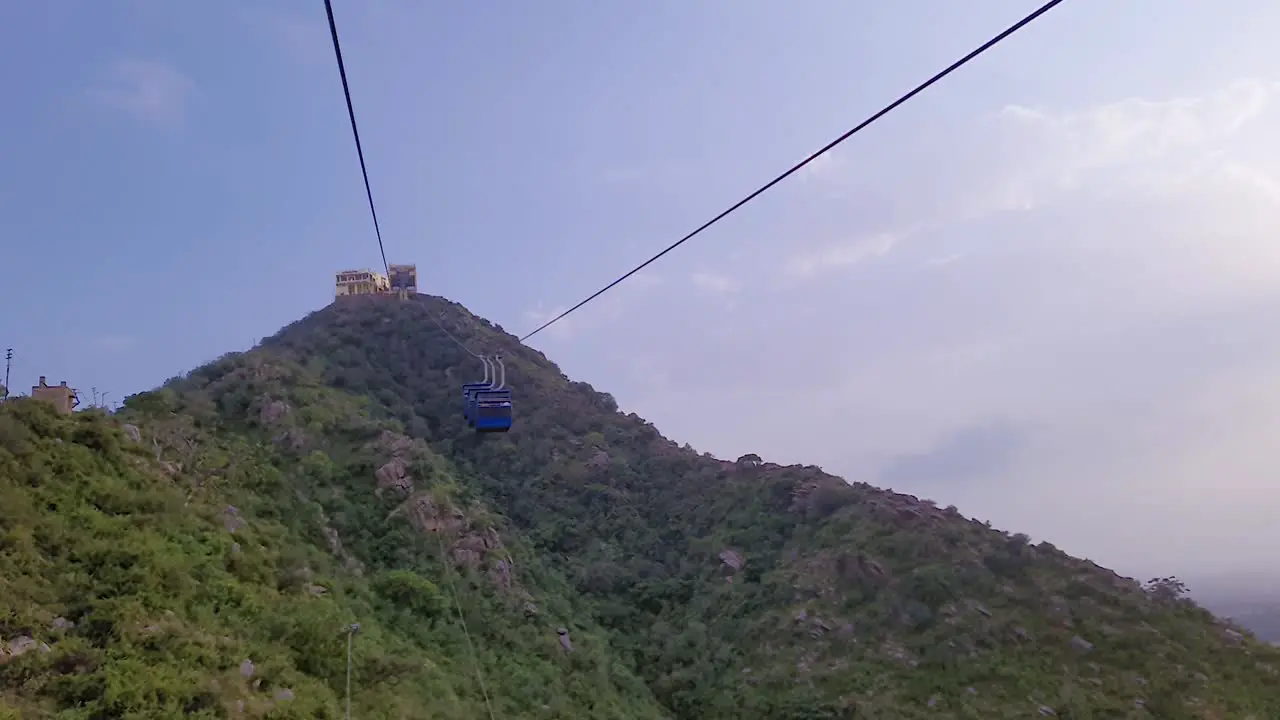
{"x": 204, "y": 552}
{"x": 1260, "y": 616}
{"x": 1263, "y": 620}
{"x": 1253, "y": 600}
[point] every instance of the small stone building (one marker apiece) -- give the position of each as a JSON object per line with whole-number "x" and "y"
{"x": 64, "y": 398}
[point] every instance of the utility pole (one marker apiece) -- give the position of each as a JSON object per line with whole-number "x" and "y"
{"x": 351, "y": 631}
{"x": 8, "y": 361}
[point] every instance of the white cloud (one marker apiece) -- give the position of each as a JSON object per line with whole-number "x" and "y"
{"x": 714, "y": 282}
{"x": 645, "y": 279}
{"x": 1107, "y": 339}
{"x": 1124, "y": 146}
{"x": 607, "y": 308}
{"x": 1122, "y": 258}
{"x": 825, "y": 165}
{"x": 1186, "y": 171}
{"x": 562, "y": 329}
{"x": 304, "y": 38}
{"x": 151, "y": 91}
{"x": 842, "y": 255}
{"x": 1178, "y": 190}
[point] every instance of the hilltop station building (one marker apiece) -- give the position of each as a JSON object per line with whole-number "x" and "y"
{"x": 403, "y": 281}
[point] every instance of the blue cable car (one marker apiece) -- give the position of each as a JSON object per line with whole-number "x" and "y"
{"x": 468, "y": 392}
{"x": 492, "y": 411}
{"x": 487, "y": 404}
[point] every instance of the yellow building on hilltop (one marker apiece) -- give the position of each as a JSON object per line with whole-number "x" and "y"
{"x": 360, "y": 282}
{"x": 404, "y": 280}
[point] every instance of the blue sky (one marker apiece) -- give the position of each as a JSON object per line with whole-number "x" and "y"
{"x": 1044, "y": 291}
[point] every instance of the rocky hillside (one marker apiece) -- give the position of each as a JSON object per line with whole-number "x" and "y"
{"x": 177, "y": 567}
{"x": 203, "y": 553}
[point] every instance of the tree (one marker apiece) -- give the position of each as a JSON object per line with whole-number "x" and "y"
{"x": 1165, "y": 589}
{"x": 411, "y": 592}
{"x": 750, "y": 460}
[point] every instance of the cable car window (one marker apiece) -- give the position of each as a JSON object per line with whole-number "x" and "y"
{"x": 494, "y": 411}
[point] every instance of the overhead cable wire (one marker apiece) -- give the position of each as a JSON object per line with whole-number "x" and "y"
{"x": 885, "y": 111}
{"x": 352, "y": 629}
{"x": 355, "y": 131}
{"x": 452, "y": 337}
{"x": 453, "y": 589}
{"x": 475, "y": 657}
{"x": 364, "y": 170}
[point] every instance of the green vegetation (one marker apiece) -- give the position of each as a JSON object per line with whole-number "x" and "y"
{"x": 254, "y": 509}
{"x": 131, "y": 587}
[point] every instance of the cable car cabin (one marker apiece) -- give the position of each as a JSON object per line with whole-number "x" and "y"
{"x": 468, "y": 396}
{"x": 469, "y": 402}
{"x": 492, "y": 411}
{"x": 486, "y": 394}
{"x": 493, "y": 416}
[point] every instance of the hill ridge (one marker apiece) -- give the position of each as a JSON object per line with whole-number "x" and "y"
{"x": 686, "y": 586}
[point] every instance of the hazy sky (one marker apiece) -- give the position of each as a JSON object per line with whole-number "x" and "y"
{"x": 1046, "y": 291}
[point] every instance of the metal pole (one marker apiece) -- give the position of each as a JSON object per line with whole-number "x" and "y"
{"x": 8, "y": 361}
{"x": 351, "y": 631}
